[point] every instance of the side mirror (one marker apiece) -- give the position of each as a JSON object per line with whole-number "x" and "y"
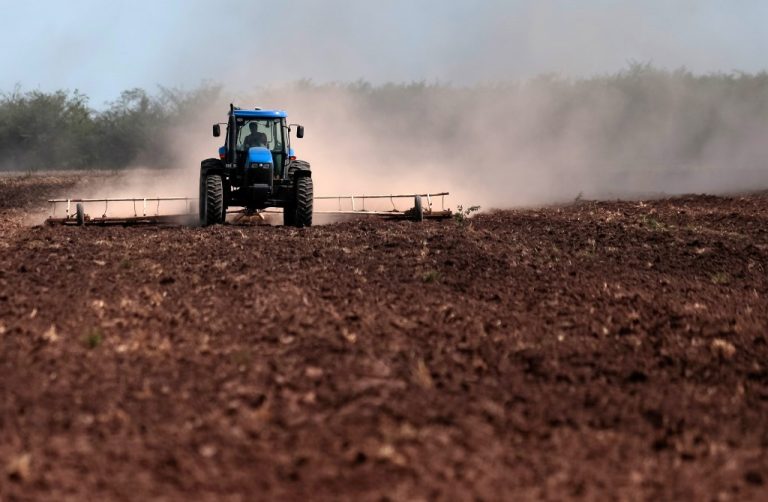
{"x": 216, "y": 130}
{"x": 299, "y": 131}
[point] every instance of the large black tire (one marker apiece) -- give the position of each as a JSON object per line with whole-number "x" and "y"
{"x": 212, "y": 203}
{"x": 304, "y": 199}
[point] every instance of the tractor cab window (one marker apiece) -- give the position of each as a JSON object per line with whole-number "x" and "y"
{"x": 259, "y": 132}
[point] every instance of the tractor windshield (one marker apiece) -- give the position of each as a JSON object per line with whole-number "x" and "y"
{"x": 259, "y": 132}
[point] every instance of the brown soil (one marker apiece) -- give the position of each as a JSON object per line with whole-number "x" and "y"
{"x": 600, "y": 350}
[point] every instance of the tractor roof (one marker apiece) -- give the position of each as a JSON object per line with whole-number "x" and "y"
{"x": 261, "y": 114}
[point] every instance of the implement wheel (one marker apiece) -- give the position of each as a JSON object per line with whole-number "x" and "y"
{"x": 80, "y": 214}
{"x": 418, "y": 210}
{"x": 212, "y": 200}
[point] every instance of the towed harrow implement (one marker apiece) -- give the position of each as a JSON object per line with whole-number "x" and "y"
{"x": 355, "y": 205}
{"x": 418, "y": 212}
{"x": 146, "y": 210}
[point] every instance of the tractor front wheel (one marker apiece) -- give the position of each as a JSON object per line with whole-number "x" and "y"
{"x": 304, "y": 198}
{"x": 212, "y": 205}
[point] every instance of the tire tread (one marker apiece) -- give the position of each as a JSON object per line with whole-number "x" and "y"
{"x": 214, "y": 200}
{"x": 304, "y": 199}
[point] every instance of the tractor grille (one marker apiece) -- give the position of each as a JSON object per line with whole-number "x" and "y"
{"x": 260, "y": 174}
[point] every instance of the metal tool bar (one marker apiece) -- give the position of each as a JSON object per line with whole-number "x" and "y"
{"x": 105, "y": 218}
{"x": 330, "y": 197}
{"x": 357, "y": 203}
{"x": 124, "y": 220}
{"x": 373, "y": 213}
{"x": 416, "y": 212}
{"x": 135, "y": 199}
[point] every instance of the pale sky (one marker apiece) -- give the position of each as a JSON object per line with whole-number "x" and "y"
{"x": 102, "y": 47}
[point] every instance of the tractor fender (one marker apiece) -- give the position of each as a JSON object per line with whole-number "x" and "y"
{"x": 299, "y": 169}
{"x": 211, "y": 166}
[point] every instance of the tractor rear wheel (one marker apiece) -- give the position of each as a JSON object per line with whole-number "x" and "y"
{"x": 212, "y": 207}
{"x": 304, "y": 198}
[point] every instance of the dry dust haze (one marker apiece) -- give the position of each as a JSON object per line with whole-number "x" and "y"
{"x": 644, "y": 133}
{"x": 522, "y": 141}
{"x": 638, "y": 134}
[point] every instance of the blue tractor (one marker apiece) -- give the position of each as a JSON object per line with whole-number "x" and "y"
{"x": 256, "y": 169}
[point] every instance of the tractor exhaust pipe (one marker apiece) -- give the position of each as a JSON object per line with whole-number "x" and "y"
{"x": 232, "y": 137}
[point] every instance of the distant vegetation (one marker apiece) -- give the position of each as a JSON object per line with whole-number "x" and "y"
{"x": 59, "y": 130}
{"x": 641, "y": 116}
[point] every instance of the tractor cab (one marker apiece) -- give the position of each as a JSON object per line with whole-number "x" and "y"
{"x": 256, "y": 169}
{"x": 262, "y": 129}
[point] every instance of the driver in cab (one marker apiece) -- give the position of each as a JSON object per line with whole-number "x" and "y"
{"x": 256, "y": 138}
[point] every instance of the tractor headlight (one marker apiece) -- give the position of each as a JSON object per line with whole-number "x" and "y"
{"x": 260, "y": 165}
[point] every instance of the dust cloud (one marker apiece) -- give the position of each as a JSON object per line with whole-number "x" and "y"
{"x": 639, "y": 133}
{"x": 499, "y": 137}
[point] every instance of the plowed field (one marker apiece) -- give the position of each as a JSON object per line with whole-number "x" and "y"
{"x": 596, "y": 350}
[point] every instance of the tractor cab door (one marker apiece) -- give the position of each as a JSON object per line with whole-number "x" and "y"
{"x": 240, "y": 132}
{"x": 280, "y": 152}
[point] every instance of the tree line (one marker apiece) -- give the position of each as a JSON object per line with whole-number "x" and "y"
{"x": 639, "y": 116}
{"x": 60, "y": 130}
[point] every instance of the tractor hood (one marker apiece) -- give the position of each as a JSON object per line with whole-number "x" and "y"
{"x": 259, "y": 155}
